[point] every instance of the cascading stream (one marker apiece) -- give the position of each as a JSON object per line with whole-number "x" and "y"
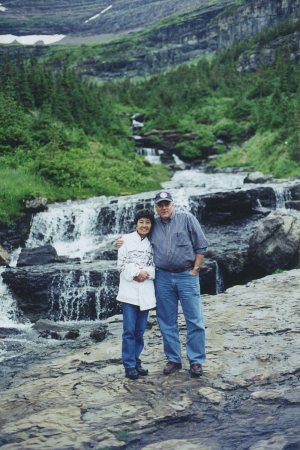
{"x": 82, "y": 228}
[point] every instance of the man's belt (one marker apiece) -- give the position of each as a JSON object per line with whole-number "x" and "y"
{"x": 178, "y": 270}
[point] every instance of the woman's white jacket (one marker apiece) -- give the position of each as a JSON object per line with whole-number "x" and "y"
{"x": 136, "y": 254}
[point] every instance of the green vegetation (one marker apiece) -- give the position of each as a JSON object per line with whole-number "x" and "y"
{"x": 62, "y": 136}
{"x": 122, "y": 435}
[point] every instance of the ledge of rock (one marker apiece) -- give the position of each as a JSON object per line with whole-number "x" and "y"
{"x": 248, "y": 398}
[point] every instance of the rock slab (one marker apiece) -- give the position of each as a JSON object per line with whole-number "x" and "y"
{"x": 248, "y": 397}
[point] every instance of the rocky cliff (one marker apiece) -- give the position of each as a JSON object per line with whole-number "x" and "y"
{"x": 65, "y": 17}
{"x": 211, "y": 27}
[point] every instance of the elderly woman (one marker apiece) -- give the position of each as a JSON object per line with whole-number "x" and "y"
{"x": 136, "y": 291}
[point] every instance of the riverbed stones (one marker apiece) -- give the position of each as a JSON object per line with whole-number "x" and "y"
{"x": 247, "y": 398}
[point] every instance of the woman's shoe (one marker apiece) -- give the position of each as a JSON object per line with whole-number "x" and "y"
{"x": 131, "y": 373}
{"x": 140, "y": 370}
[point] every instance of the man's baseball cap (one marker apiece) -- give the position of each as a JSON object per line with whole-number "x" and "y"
{"x": 163, "y": 196}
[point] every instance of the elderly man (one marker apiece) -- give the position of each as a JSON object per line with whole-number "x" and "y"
{"x": 179, "y": 247}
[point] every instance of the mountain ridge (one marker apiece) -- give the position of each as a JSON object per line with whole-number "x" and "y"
{"x": 59, "y": 17}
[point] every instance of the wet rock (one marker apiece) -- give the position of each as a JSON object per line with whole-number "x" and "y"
{"x": 65, "y": 292}
{"x": 248, "y": 397}
{"x": 295, "y": 192}
{"x": 15, "y": 235}
{"x": 4, "y": 332}
{"x": 236, "y": 267}
{"x": 257, "y": 177}
{"x": 225, "y": 207}
{"x": 4, "y": 257}
{"x": 72, "y": 334}
{"x": 100, "y": 334}
{"x": 275, "y": 243}
{"x": 46, "y": 254}
{"x": 48, "y": 334}
{"x": 36, "y": 205}
{"x": 293, "y": 205}
{"x": 41, "y": 325}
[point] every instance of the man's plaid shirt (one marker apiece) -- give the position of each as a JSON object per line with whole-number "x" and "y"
{"x": 176, "y": 242}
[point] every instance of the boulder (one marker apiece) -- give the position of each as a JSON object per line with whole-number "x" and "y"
{"x": 4, "y": 257}
{"x": 36, "y": 205}
{"x": 72, "y": 334}
{"x": 275, "y": 243}
{"x": 46, "y": 254}
{"x": 99, "y": 334}
{"x": 257, "y": 177}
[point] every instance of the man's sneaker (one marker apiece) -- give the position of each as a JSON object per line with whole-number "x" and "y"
{"x": 196, "y": 370}
{"x": 172, "y": 367}
{"x": 131, "y": 373}
{"x": 140, "y": 370}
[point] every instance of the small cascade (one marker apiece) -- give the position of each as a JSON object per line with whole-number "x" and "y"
{"x": 283, "y": 195}
{"x": 75, "y": 297}
{"x": 9, "y": 313}
{"x": 151, "y": 154}
{"x": 177, "y": 160}
{"x": 8, "y": 309}
{"x": 219, "y": 279}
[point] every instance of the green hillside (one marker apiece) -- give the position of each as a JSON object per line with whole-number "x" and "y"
{"x": 62, "y": 136}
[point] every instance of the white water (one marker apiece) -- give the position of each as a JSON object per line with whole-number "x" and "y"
{"x": 8, "y": 308}
{"x": 150, "y": 154}
{"x": 73, "y": 228}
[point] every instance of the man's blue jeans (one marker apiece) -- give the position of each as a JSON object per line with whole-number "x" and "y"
{"x": 134, "y": 326}
{"x": 169, "y": 288}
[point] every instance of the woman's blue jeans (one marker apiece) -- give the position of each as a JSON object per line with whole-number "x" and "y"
{"x": 134, "y": 326}
{"x": 169, "y": 288}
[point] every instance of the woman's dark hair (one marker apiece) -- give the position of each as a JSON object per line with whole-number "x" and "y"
{"x": 147, "y": 213}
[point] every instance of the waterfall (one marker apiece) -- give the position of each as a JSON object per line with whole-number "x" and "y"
{"x": 83, "y": 228}
{"x": 9, "y": 312}
{"x": 177, "y": 160}
{"x": 78, "y": 299}
{"x": 282, "y": 195}
{"x": 151, "y": 154}
{"x": 219, "y": 279}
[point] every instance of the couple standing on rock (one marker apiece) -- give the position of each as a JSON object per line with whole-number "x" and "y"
{"x": 169, "y": 250}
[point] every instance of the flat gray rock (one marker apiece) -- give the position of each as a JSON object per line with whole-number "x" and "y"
{"x": 248, "y": 397}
